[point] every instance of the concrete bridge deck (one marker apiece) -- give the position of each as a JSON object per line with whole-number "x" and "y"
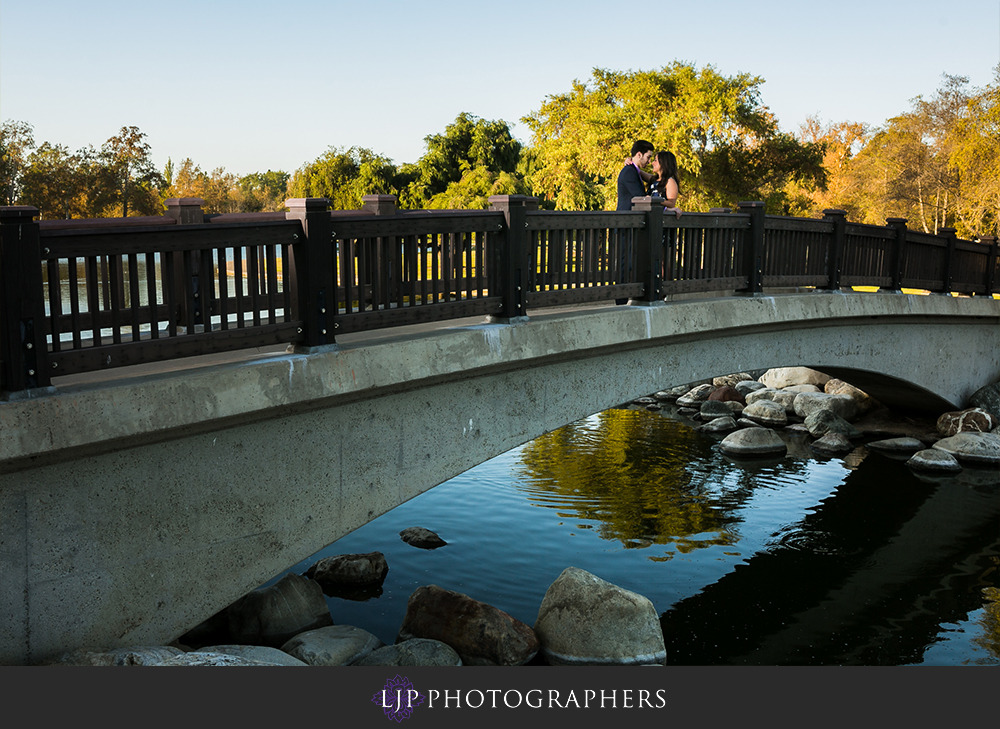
{"x": 133, "y": 508}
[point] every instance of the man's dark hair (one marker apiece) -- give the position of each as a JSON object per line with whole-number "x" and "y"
{"x": 640, "y": 147}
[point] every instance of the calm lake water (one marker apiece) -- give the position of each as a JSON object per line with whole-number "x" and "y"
{"x": 797, "y": 561}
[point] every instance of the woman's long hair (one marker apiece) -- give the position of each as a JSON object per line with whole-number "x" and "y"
{"x": 668, "y": 169}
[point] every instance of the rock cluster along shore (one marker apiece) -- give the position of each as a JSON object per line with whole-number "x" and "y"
{"x": 583, "y": 619}
{"x": 834, "y": 415}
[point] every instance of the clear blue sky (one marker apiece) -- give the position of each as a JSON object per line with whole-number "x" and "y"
{"x": 251, "y": 86}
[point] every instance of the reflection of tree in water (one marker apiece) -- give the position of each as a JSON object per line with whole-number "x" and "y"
{"x": 647, "y": 479}
{"x": 990, "y": 621}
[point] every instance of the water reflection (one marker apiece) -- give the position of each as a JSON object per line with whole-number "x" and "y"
{"x": 807, "y": 560}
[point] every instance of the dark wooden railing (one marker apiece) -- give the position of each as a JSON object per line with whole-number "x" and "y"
{"x": 79, "y": 296}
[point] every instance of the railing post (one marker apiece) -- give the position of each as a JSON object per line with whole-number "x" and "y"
{"x": 836, "y": 250}
{"x": 312, "y": 270}
{"x": 379, "y": 204}
{"x": 650, "y": 248}
{"x": 991, "y": 263}
{"x": 23, "y": 349}
{"x": 187, "y": 211}
{"x": 899, "y": 224}
{"x": 753, "y": 252}
{"x": 512, "y": 275}
{"x": 949, "y": 264}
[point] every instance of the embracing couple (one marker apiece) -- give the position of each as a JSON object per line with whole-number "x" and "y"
{"x": 634, "y": 181}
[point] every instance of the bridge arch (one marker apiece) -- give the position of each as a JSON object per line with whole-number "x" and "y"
{"x": 117, "y": 499}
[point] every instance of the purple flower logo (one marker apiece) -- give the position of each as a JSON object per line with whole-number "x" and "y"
{"x": 398, "y": 698}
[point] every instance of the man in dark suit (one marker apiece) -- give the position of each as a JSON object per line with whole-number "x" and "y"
{"x": 630, "y": 185}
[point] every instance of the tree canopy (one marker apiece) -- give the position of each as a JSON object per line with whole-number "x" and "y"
{"x": 937, "y": 164}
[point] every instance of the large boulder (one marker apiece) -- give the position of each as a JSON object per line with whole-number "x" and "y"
{"x": 481, "y": 634}
{"x": 822, "y": 422}
{"x": 271, "y": 615}
{"x": 718, "y": 425}
{"x": 415, "y": 652}
{"x": 132, "y": 656}
{"x": 832, "y": 444}
{"x": 862, "y": 400}
{"x": 732, "y": 380}
{"x": 752, "y": 443}
{"x": 807, "y": 403}
{"x": 712, "y": 409}
{"x": 205, "y": 658}
{"x": 350, "y": 570}
{"x": 898, "y": 445}
{"x": 767, "y": 413}
{"x": 960, "y": 421}
{"x": 780, "y": 377}
{"x": 934, "y": 459}
{"x": 694, "y": 397}
{"x": 334, "y": 645}
{"x": 747, "y": 386}
{"x": 972, "y": 447}
{"x": 987, "y": 398}
{"x": 422, "y": 538}
{"x": 727, "y": 393}
{"x": 262, "y": 653}
{"x": 586, "y": 621}
{"x": 783, "y": 397}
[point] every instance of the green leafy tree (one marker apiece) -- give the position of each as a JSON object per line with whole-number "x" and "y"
{"x": 127, "y": 158}
{"x": 263, "y": 191}
{"x": 481, "y": 149}
{"x": 726, "y": 142}
{"x": 16, "y": 141}
{"x": 344, "y": 176}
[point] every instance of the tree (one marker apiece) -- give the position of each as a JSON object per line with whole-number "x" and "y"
{"x": 468, "y": 144}
{"x": 263, "y": 191}
{"x": 16, "y": 140}
{"x": 344, "y": 176}
{"x": 726, "y": 142}
{"x": 974, "y": 144}
{"x": 127, "y": 157}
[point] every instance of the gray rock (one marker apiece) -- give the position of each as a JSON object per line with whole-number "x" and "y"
{"x": 781, "y": 377}
{"x": 987, "y": 398}
{"x": 132, "y": 656}
{"x": 586, "y": 621}
{"x": 781, "y": 397}
{"x": 481, "y": 634}
{"x": 261, "y": 653}
{"x": 718, "y": 425}
{"x": 271, "y": 615}
{"x": 643, "y": 401}
{"x": 747, "y": 423}
{"x": 972, "y": 447}
{"x": 694, "y": 397}
{"x": 747, "y": 386}
{"x": 798, "y": 429}
{"x": 423, "y": 538}
{"x": 415, "y": 652}
{"x": 712, "y": 409}
{"x": 897, "y": 445}
{"x": 807, "y": 403}
{"x": 204, "y": 658}
{"x": 349, "y": 570}
{"x": 767, "y": 413}
{"x": 732, "y": 380}
{"x": 832, "y": 443}
{"x": 822, "y": 422}
{"x": 961, "y": 421}
{"x": 934, "y": 459}
{"x": 753, "y": 442}
{"x": 334, "y": 645}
